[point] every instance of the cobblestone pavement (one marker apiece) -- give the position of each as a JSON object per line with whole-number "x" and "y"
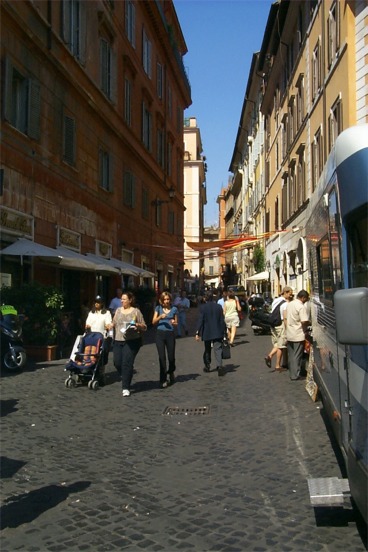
{"x": 89, "y": 470}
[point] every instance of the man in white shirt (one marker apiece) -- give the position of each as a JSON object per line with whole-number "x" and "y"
{"x": 278, "y": 333}
{"x": 182, "y": 303}
{"x": 297, "y": 322}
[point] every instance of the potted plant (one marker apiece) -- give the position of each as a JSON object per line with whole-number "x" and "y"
{"x": 41, "y": 306}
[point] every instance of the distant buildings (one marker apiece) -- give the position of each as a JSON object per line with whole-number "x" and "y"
{"x": 306, "y": 85}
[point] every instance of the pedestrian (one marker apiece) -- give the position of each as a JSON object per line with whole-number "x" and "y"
{"x": 115, "y": 303}
{"x": 99, "y": 320}
{"x": 297, "y": 322}
{"x": 231, "y": 312}
{"x": 223, "y": 298}
{"x": 278, "y": 332}
{"x": 129, "y": 324}
{"x": 182, "y": 303}
{"x": 166, "y": 317}
{"x": 211, "y": 329}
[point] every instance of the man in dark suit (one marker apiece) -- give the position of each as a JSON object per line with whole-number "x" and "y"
{"x": 211, "y": 328}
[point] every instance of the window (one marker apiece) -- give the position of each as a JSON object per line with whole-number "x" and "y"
{"x": 129, "y": 189}
{"x": 324, "y": 270}
{"x": 169, "y": 158}
{"x": 284, "y": 206}
{"x": 357, "y": 232}
{"x": 334, "y": 122}
{"x": 171, "y": 222}
{"x": 285, "y": 136}
{"x": 292, "y": 188}
{"x": 147, "y": 55}
{"x": 300, "y": 101}
{"x": 317, "y": 158}
{"x": 160, "y": 81}
{"x": 316, "y": 70}
{"x": 301, "y": 181}
{"x": 22, "y": 101}
{"x": 335, "y": 233}
{"x": 73, "y": 27}
{"x": 130, "y": 21}
{"x": 333, "y": 33}
{"x": 277, "y": 224}
{"x": 128, "y": 102}
{"x": 146, "y": 127}
{"x": 69, "y": 140}
{"x": 161, "y": 147}
{"x": 169, "y": 101}
{"x": 105, "y": 170}
{"x": 292, "y": 119}
{"x": 145, "y": 203}
{"x": 106, "y": 68}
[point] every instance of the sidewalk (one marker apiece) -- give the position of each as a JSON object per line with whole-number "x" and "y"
{"x": 208, "y": 464}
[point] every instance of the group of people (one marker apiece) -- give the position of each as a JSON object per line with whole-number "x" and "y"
{"x": 124, "y": 323}
{"x": 290, "y": 335}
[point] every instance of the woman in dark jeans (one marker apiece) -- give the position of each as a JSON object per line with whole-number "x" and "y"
{"x": 128, "y": 322}
{"x": 165, "y": 317}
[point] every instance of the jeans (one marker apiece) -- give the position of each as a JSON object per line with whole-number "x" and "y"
{"x": 124, "y": 356}
{"x": 217, "y": 349}
{"x": 165, "y": 341}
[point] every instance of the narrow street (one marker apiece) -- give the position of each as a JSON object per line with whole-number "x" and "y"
{"x": 209, "y": 464}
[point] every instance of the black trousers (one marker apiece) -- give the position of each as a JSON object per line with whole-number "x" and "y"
{"x": 165, "y": 343}
{"x": 124, "y": 356}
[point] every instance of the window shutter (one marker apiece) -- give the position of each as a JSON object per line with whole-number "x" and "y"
{"x": 65, "y": 22}
{"x": 69, "y": 140}
{"x": 83, "y": 33}
{"x": 34, "y": 108}
{"x": 8, "y": 86}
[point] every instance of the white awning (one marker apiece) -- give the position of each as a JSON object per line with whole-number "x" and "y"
{"x": 125, "y": 268}
{"x": 64, "y": 258}
{"x": 259, "y": 277}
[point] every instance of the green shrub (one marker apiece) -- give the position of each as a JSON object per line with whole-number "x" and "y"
{"x": 42, "y": 306}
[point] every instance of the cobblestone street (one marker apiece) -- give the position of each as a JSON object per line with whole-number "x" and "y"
{"x": 89, "y": 470}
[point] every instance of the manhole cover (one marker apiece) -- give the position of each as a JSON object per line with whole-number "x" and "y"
{"x": 186, "y": 410}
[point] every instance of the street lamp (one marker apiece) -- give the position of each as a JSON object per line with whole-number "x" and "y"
{"x": 159, "y": 202}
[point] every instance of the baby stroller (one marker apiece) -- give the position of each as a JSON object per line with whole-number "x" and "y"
{"x": 86, "y": 362}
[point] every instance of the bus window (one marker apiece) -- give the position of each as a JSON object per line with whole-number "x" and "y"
{"x": 324, "y": 270}
{"x": 335, "y": 242}
{"x": 357, "y": 232}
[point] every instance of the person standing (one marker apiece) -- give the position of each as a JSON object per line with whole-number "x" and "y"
{"x": 99, "y": 320}
{"x": 278, "y": 333}
{"x": 166, "y": 317}
{"x": 115, "y": 303}
{"x": 211, "y": 329}
{"x": 129, "y": 324}
{"x": 297, "y": 322}
{"x": 182, "y": 303}
{"x": 231, "y": 312}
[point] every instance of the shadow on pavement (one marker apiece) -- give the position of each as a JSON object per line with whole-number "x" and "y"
{"x": 9, "y": 466}
{"x": 8, "y": 406}
{"x": 26, "y": 507}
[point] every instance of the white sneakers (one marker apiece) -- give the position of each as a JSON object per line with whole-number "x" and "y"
{"x": 126, "y": 393}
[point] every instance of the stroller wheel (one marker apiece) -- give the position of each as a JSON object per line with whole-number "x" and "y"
{"x": 69, "y": 382}
{"x": 94, "y": 385}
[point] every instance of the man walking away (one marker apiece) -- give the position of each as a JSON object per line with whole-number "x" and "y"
{"x": 297, "y": 322}
{"x": 279, "y": 343}
{"x": 211, "y": 328}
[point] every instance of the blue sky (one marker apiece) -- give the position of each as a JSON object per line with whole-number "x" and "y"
{"x": 221, "y": 37}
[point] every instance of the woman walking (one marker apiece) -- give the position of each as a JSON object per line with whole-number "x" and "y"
{"x": 231, "y": 313}
{"x": 129, "y": 324}
{"x": 165, "y": 317}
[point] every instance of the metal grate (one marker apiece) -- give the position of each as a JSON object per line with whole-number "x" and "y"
{"x": 186, "y": 411}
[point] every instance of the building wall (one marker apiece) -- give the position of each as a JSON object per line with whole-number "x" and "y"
{"x": 194, "y": 200}
{"x": 62, "y": 188}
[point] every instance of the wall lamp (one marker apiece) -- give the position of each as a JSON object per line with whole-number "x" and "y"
{"x": 159, "y": 202}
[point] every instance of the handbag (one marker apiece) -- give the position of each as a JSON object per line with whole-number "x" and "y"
{"x": 225, "y": 349}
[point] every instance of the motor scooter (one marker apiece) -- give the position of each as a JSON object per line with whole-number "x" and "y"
{"x": 13, "y": 354}
{"x": 258, "y": 315}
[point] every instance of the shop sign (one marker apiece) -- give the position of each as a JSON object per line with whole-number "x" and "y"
{"x": 68, "y": 238}
{"x": 14, "y": 222}
{"x": 103, "y": 249}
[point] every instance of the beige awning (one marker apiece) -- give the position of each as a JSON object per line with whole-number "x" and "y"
{"x": 259, "y": 277}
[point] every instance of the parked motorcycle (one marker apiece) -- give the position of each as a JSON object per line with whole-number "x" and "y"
{"x": 13, "y": 354}
{"x": 258, "y": 315}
